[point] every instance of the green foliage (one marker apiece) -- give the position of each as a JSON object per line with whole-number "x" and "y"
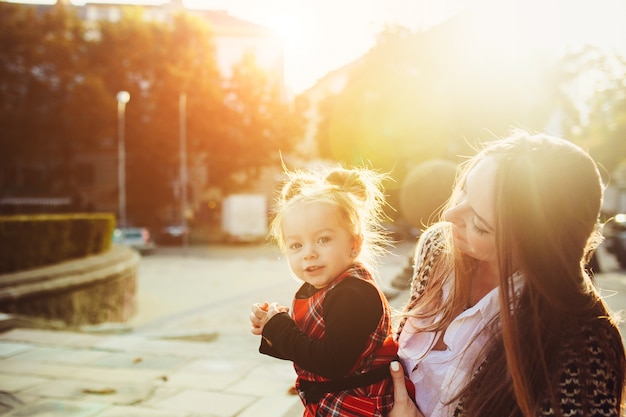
{"x": 418, "y": 96}
{"x": 156, "y": 63}
{"x": 33, "y": 241}
{"x": 595, "y": 118}
{"x": 41, "y": 65}
{"x": 261, "y": 124}
{"x": 59, "y": 81}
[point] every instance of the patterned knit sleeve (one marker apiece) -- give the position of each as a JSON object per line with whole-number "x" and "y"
{"x": 589, "y": 383}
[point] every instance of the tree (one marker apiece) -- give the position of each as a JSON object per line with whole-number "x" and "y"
{"x": 593, "y": 95}
{"x": 43, "y": 81}
{"x": 157, "y": 63}
{"x": 418, "y": 96}
{"x": 261, "y": 124}
{"x": 58, "y": 84}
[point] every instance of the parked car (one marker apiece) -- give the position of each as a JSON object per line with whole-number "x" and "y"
{"x": 137, "y": 238}
{"x": 173, "y": 234}
{"x": 615, "y": 238}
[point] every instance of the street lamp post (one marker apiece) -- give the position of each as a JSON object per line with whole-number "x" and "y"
{"x": 182, "y": 107}
{"x": 122, "y": 98}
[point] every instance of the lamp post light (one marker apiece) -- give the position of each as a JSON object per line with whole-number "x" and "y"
{"x": 123, "y": 97}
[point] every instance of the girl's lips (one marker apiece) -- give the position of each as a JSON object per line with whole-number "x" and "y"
{"x": 312, "y": 268}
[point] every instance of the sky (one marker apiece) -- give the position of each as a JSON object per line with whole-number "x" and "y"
{"x": 323, "y": 35}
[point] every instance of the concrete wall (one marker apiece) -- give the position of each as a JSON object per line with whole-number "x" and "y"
{"x": 92, "y": 290}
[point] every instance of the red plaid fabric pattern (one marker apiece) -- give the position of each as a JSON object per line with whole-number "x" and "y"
{"x": 373, "y": 400}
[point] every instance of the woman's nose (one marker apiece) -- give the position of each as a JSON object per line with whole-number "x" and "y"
{"x": 452, "y": 214}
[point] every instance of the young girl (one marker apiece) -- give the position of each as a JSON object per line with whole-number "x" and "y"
{"x": 339, "y": 333}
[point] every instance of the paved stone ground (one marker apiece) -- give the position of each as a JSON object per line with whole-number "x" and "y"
{"x": 188, "y": 352}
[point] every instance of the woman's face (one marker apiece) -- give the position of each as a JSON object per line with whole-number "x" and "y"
{"x": 473, "y": 218}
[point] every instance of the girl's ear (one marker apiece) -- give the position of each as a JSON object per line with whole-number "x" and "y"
{"x": 356, "y": 245}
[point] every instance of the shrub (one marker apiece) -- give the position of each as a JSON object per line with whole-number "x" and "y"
{"x": 30, "y": 241}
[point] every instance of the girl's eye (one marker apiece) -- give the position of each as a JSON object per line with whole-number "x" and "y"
{"x": 323, "y": 239}
{"x": 295, "y": 246}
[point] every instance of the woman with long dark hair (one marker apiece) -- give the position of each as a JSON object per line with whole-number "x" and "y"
{"x": 503, "y": 319}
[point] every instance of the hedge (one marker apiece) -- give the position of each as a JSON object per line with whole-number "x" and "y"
{"x": 31, "y": 241}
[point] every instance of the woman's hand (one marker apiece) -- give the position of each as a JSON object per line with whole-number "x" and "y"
{"x": 262, "y": 313}
{"x": 403, "y": 405}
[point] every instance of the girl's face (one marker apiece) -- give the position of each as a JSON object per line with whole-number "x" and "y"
{"x": 318, "y": 245}
{"x": 473, "y": 218}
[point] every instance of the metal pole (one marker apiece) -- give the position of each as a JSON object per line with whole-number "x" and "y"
{"x": 182, "y": 107}
{"x": 122, "y": 98}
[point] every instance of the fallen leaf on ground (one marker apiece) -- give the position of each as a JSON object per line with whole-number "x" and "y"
{"x": 99, "y": 391}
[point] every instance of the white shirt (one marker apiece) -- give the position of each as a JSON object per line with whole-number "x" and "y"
{"x": 438, "y": 375}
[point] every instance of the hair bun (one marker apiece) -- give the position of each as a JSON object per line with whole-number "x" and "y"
{"x": 294, "y": 187}
{"x": 349, "y": 181}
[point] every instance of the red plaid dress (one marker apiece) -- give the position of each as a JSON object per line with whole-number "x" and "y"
{"x": 372, "y": 400}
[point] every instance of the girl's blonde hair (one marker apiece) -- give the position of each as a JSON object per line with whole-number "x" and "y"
{"x": 357, "y": 194}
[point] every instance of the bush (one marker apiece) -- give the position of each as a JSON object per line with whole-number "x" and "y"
{"x": 31, "y": 241}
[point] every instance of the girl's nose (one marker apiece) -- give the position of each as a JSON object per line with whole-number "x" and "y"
{"x": 310, "y": 252}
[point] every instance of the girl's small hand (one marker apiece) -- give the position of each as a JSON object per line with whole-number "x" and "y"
{"x": 262, "y": 313}
{"x": 257, "y": 316}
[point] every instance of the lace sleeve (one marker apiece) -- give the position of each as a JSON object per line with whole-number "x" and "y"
{"x": 427, "y": 251}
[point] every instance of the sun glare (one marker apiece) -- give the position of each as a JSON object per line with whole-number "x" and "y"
{"x": 324, "y": 35}
{"x": 556, "y": 25}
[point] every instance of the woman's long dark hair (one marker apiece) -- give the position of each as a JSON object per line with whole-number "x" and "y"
{"x": 548, "y": 197}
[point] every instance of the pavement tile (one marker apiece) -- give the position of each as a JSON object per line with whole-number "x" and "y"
{"x": 52, "y": 337}
{"x": 9, "y": 401}
{"x": 138, "y": 361}
{"x": 54, "y": 408}
{"x": 210, "y": 374}
{"x": 160, "y": 393}
{"x": 267, "y": 380}
{"x": 8, "y": 349}
{"x": 274, "y": 406}
{"x": 10, "y": 366}
{"x": 155, "y": 346}
{"x": 235, "y": 346}
{"x": 220, "y": 367}
{"x": 60, "y": 355}
{"x": 123, "y": 394}
{"x": 259, "y": 387}
{"x": 123, "y": 411}
{"x": 14, "y": 383}
{"x": 213, "y": 382}
{"x": 297, "y": 410}
{"x": 206, "y": 403}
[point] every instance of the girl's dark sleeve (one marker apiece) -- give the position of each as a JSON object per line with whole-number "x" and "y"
{"x": 352, "y": 311}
